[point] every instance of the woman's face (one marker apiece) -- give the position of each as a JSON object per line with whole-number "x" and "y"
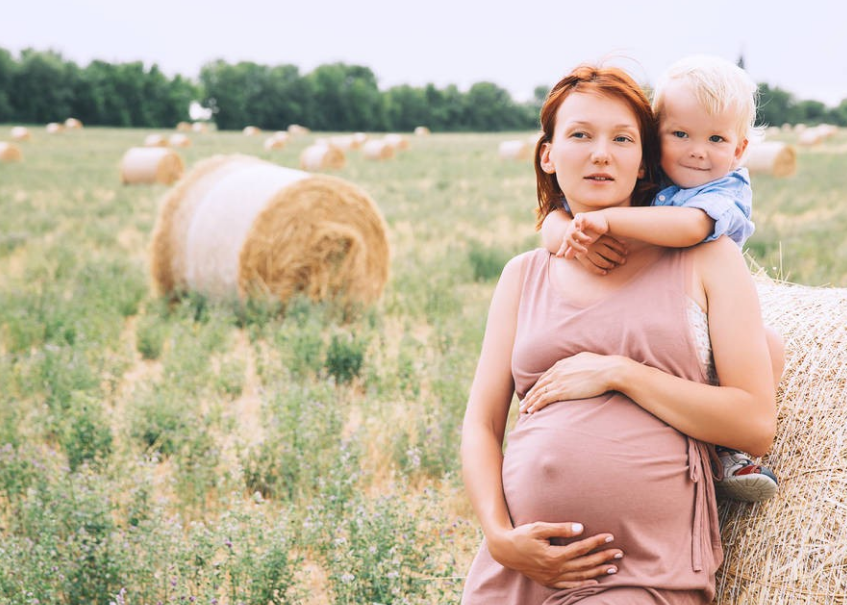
{"x": 595, "y": 152}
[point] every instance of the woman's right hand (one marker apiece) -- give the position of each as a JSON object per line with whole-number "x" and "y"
{"x": 527, "y": 549}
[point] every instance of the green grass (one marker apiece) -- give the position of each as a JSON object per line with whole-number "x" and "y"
{"x": 229, "y": 453}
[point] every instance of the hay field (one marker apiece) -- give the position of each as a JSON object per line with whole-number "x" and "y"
{"x": 233, "y": 454}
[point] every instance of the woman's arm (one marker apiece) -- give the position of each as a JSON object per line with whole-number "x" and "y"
{"x": 527, "y": 548}
{"x": 740, "y": 413}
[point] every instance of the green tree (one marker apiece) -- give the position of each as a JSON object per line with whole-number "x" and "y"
{"x": 346, "y": 98}
{"x": 406, "y": 108}
{"x": 776, "y": 107}
{"x": 8, "y": 67}
{"x": 42, "y": 87}
{"x": 490, "y": 108}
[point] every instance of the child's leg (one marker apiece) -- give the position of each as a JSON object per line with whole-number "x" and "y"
{"x": 742, "y": 478}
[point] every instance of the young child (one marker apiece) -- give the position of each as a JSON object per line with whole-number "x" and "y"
{"x": 706, "y": 108}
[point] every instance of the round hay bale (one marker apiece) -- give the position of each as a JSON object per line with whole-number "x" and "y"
{"x": 376, "y": 149}
{"x": 9, "y": 152}
{"x": 178, "y": 139}
{"x": 176, "y": 211}
{"x": 398, "y": 141}
{"x": 422, "y": 131}
{"x": 20, "y": 133}
{"x": 155, "y": 140}
{"x": 278, "y": 140}
{"x": 54, "y": 128}
{"x": 200, "y": 127}
{"x": 516, "y": 150}
{"x": 73, "y": 124}
{"x": 773, "y": 158}
{"x": 322, "y": 157}
{"x": 183, "y": 127}
{"x": 342, "y": 142}
{"x": 251, "y": 227}
{"x": 251, "y": 131}
{"x": 810, "y": 137}
{"x": 147, "y": 165}
{"x": 297, "y": 130}
{"x": 359, "y": 139}
{"x": 792, "y": 549}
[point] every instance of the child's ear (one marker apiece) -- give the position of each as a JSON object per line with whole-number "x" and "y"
{"x": 546, "y": 163}
{"x": 741, "y": 148}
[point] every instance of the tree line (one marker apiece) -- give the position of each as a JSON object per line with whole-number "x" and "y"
{"x": 42, "y": 86}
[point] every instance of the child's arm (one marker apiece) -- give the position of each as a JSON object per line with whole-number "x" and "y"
{"x": 600, "y": 256}
{"x": 659, "y": 225}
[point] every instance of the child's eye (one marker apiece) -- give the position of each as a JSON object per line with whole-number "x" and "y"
{"x": 623, "y": 139}
{"x": 679, "y": 134}
{"x": 716, "y": 138}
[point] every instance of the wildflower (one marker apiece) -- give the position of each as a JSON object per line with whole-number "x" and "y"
{"x": 347, "y": 577}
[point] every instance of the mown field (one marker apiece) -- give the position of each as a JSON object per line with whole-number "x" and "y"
{"x": 216, "y": 453}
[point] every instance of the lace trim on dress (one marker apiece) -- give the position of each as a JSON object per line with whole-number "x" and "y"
{"x": 699, "y": 322}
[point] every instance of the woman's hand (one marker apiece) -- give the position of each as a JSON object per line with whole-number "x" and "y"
{"x": 527, "y": 549}
{"x": 581, "y": 376}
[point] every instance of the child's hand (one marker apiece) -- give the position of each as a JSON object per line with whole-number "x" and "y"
{"x": 585, "y": 229}
{"x": 603, "y": 255}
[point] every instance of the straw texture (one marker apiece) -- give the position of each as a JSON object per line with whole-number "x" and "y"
{"x": 73, "y": 124}
{"x": 239, "y": 226}
{"x": 515, "y": 150}
{"x": 54, "y": 128}
{"x": 792, "y": 549}
{"x": 376, "y": 149}
{"x": 9, "y": 152}
{"x": 147, "y": 165}
{"x": 773, "y": 158}
{"x": 179, "y": 140}
{"x": 155, "y": 140}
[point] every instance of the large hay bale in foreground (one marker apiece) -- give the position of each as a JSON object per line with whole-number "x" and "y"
{"x": 9, "y": 152}
{"x": 20, "y": 133}
{"x": 792, "y": 549}
{"x": 147, "y": 165}
{"x": 773, "y": 158}
{"x": 322, "y": 157}
{"x": 238, "y": 226}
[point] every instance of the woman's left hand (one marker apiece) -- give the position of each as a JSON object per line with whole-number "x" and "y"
{"x": 581, "y": 376}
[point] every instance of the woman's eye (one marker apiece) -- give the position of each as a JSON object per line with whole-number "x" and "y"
{"x": 578, "y": 135}
{"x": 716, "y": 138}
{"x": 679, "y": 134}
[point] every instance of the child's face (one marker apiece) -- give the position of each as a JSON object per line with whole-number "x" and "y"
{"x": 696, "y": 147}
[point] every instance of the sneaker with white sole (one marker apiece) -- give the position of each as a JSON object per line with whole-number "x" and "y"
{"x": 743, "y": 479}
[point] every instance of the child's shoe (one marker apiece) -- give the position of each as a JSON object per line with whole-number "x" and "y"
{"x": 742, "y": 478}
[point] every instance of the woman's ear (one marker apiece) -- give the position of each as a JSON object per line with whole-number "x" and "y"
{"x": 544, "y": 159}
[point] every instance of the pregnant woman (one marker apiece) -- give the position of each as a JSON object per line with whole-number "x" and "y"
{"x": 606, "y": 495}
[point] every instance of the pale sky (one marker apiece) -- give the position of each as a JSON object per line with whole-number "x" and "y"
{"x": 798, "y": 46}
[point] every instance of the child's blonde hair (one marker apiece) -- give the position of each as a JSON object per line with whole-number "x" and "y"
{"x": 719, "y": 85}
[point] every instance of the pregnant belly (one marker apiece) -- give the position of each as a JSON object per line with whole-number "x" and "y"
{"x": 603, "y": 462}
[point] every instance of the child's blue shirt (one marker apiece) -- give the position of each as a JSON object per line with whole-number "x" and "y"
{"x": 728, "y": 201}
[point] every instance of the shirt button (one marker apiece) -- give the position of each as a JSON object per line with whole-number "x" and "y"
{"x": 661, "y": 198}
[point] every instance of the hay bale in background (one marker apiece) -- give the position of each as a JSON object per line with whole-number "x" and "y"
{"x": 359, "y": 139}
{"x": 297, "y": 130}
{"x": 183, "y": 127}
{"x": 792, "y": 549}
{"x": 155, "y": 140}
{"x": 179, "y": 140}
{"x": 54, "y": 128}
{"x": 322, "y": 157}
{"x": 421, "y": 131}
{"x": 516, "y": 150}
{"x": 773, "y": 158}
{"x": 251, "y": 131}
{"x": 147, "y": 165}
{"x": 20, "y": 133}
{"x": 9, "y": 152}
{"x": 376, "y": 149}
{"x": 277, "y": 140}
{"x": 73, "y": 124}
{"x": 398, "y": 141}
{"x": 200, "y": 127}
{"x": 237, "y": 225}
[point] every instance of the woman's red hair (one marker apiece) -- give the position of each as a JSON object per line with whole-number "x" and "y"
{"x": 604, "y": 81}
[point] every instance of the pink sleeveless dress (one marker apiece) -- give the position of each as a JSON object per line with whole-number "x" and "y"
{"x": 605, "y": 462}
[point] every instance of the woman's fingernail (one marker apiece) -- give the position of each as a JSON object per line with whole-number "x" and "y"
{"x": 576, "y": 528}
